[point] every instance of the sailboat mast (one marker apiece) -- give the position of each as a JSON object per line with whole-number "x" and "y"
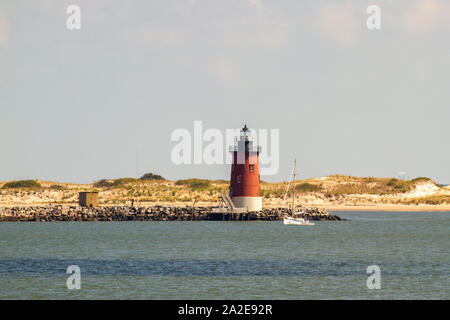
{"x": 293, "y": 187}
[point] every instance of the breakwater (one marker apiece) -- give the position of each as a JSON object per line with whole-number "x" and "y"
{"x": 153, "y": 213}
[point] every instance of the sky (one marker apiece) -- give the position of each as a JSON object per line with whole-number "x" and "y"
{"x": 103, "y": 101}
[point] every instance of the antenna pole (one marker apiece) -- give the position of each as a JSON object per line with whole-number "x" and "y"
{"x": 137, "y": 164}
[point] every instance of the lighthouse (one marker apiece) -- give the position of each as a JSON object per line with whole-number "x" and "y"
{"x": 245, "y": 191}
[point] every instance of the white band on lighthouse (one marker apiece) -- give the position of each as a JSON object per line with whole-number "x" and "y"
{"x": 251, "y": 203}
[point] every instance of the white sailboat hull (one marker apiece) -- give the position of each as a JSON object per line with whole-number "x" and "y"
{"x": 297, "y": 221}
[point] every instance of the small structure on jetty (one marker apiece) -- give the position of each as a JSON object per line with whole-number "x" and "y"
{"x": 88, "y": 199}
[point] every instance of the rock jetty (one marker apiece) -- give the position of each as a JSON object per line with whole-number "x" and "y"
{"x": 153, "y": 213}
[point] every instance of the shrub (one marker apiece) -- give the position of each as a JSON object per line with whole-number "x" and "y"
{"x": 221, "y": 181}
{"x": 393, "y": 182}
{"x": 106, "y": 183}
{"x": 195, "y": 184}
{"x": 433, "y": 199}
{"x": 279, "y": 193}
{"x": 57, "y": 187}
{"x": 103, "y": 183}
{"x": 122, "y": 181}
{"x": 151, "y": 176}
{"x": 22, "y": 184}
{"x": 307, "y": 187}
{"x": 420, "y": 179}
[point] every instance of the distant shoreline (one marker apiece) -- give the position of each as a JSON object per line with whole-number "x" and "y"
{"x": 383, "y": 207}
{"x": 397, "y": 208}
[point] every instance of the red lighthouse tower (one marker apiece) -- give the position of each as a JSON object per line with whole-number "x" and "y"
{"x": 244, "y": 183}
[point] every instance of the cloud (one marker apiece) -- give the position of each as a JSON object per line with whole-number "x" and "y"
{"x": 4, "y": 32}
{"x": 214, "y": 29}
{"x": 338, "y": 22}
{"x": 192, "y": 3}
{"x": 258, "y": 33}
{"x": 257, "y": 4}
{"x": 223, "y": 69}
{"x": 152, "y": 36}
{"x": 423, "y": 15}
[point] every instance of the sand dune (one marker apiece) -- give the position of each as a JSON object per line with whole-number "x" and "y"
{"x": 332, "y": 192}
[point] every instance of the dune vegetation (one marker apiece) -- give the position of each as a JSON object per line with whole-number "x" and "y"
{"x": 154, "y": 189}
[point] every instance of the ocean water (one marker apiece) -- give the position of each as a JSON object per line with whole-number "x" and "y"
{"x": 230, "y": 260}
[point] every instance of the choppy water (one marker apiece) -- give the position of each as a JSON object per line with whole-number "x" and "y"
{"x": 230, "y": 260}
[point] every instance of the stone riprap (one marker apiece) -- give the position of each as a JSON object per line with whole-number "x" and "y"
{"x": 154, "y": 213}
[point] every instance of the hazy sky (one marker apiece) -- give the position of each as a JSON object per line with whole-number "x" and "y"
{"x": 98, "y": 102}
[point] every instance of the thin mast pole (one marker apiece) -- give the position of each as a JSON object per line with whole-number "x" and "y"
{"x": 293, "y": 188}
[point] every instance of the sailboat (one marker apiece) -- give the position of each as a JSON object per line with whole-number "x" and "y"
{"x": 295, "y": 218}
